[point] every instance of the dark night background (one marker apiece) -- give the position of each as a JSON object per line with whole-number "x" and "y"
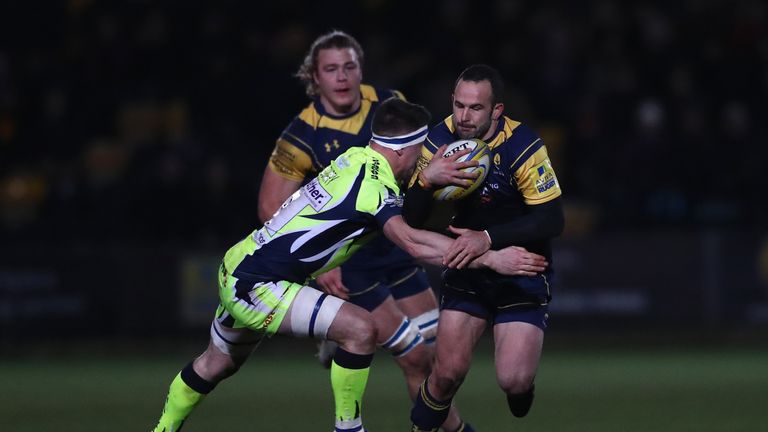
{"x": 133, "y": 137}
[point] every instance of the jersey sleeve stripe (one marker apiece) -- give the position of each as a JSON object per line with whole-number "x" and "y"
{"x": 306, "y": 147}
{"x": 524, "y": 152}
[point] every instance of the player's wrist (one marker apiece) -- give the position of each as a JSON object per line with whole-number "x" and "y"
{"x": 423, "y": 181}
{"x": 488, "y": 237}
{"x": 484, "y": 260}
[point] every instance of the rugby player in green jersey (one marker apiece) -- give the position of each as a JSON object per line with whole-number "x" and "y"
{"x": 262, "y": 279}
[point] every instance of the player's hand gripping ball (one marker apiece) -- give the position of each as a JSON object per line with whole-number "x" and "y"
{"x": 480, "y": 153}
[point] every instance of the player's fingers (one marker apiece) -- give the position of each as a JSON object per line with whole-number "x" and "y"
{"x": 457, "y": 231}
{"x": 454, "y": 263}
{"x": 450, "y": 256}
{"x": 467, "y": 174}
{"x": 441, "y": 151}
{"x": 464, "y": 262}
{"x": 466, "y": 164}
{"x": 458, "y": 154}
{"x": 340, "y": 293}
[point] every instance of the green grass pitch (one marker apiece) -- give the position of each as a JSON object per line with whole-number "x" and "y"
{"x": 703, "y": 389}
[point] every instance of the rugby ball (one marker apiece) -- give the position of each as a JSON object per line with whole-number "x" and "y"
{"x": 479, "y": 152}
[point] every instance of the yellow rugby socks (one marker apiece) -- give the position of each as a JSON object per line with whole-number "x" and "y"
{"x": 187, "y": 390}
{"x": 349, "y": 375}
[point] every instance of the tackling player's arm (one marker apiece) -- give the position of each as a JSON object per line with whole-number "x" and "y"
{"x": 429, "y": 247}
{"x": 287, "y": 167}
{"x": 544, "y": 219}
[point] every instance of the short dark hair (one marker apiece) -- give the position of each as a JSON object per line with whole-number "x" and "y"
{"x": 398, "y": 117}
{"x": 482, "y": 72}
{"x": 334, "y": 39}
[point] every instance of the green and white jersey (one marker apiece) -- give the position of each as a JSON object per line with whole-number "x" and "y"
{"x": 323, "y": 223}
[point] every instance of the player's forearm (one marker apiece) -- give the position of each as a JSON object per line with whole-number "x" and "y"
{"x": 545, "y": 221}
{"x": 426, "y": 246}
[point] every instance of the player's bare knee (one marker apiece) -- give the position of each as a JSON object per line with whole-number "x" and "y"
{"x": 367, "y": 331}
{"x": 447, "y": 379}
{"x": 215, "y": 366}
{"x": 360, "y": 333}
{"x": 516, "y": 383}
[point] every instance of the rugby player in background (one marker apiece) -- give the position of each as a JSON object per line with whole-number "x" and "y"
{"x": 519, "y": 204}
{"x": 262, "y": 279}
{"x": 381, "y": 278}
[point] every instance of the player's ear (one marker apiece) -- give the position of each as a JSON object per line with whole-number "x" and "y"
{"x": 498, "y": 111}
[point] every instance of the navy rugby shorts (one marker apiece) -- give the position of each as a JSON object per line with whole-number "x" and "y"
{"x": 368, "y": 289}
{"x": 498, "y": 298}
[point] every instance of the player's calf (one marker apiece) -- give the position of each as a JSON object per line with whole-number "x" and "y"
{"x": 428, "y": 412}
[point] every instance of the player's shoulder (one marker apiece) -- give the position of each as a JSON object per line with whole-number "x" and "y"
{"x": 517, "y": 131}
{"x": 368, "y": 175}
{"x": 515, "y": 137}
{"x": 309, "y": 117}
{"x": 378, "y": 94}
{"x": 440, "y": 134}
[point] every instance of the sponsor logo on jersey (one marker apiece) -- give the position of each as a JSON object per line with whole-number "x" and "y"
{"x": 394, "y": 200}
{"x": 316, "y": 194}
{"x": 497, "y": 159}
{"x": 258, "y": 237}
{"x": 375, "y": 169}
{"x": 544, "y": 176}
{"x": 327, "y": 175}
{"x": 342, "y": 162}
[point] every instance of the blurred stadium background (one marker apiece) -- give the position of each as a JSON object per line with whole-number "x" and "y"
{"x": 133, "y": 136}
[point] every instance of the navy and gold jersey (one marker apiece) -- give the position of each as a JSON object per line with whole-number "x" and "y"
{"x": 521, "y": 175}
{"x": 314, "y": 138}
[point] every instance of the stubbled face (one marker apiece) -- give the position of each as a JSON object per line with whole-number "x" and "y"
{"x": 473, "y": 110}
{"x": 338, "y": 78}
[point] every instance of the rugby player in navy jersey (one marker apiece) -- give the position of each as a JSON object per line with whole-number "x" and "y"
{"x": 518, "y": 204}
{"x": 381, "y": 278}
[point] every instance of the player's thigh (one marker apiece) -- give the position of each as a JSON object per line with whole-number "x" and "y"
{"x": 353, "y": 327}
{"x": 417, "y": 304}
{"x": 517, "y": 353}
{"x": 387, "y": 318}
{"x": 457, "y": 336}
{"x": 231, "y": 340}
{"x": 313, "y": 313}
{"x": 410, "y": 288}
